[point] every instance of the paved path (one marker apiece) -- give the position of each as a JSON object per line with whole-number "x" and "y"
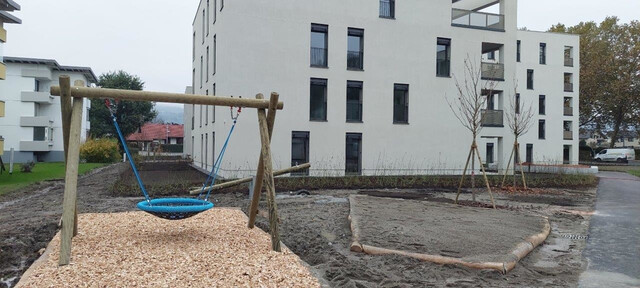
{"x": 613, "y": 247}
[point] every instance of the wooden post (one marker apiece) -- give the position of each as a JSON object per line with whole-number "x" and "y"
{"x": 463, "y": 173}
{"x": 508, "y": 165}
{"x": 65, "y": 108}
{"x": 257, "y": 188}
{"x": 268, "y": 180}
{"x": 486, "y": 180}
{"x": 77, "y": 83}
{"x": 71, "y": 182}
{"x": 248, "y": 179}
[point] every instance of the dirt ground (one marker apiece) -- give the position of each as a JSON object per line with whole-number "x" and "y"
{"x": 317, "y": 229}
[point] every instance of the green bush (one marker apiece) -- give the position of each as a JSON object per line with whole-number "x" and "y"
{"x": 27, "y": 167}
{"x": 104, "y": 150}
{"x": 171, "y": 148}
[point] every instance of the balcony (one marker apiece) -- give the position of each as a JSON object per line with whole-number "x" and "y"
{"x": 318, "y": 57}
{"x": 568, "y": 62}
{"x": 355, "y": 60}
{"x": 568, "y": 87}
{"x": 37, "y": 97}
{"x": 492, "y": 71}
{"x": 35, "y": 121}
{"x": 492, "y": 118}
{"x": 568, "y": 135}
{"x": 478, "y": 20}
{"x": 36, "y": 146}
{"x": 568, "y": 111}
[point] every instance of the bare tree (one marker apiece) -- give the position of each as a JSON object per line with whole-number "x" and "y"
{"x": 468, "y": 109}
{"x": 519, "y": 119}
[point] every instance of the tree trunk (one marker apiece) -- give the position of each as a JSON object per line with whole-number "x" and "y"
{"x": 617, "y": 122}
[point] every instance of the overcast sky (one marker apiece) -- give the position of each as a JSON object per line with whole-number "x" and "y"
{"x": 152, "y": 38}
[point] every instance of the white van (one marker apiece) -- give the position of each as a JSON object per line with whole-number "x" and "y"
{"x": 616, "y": 154}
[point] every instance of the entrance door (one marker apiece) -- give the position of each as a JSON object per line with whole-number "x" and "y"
{"x": 566, "y": 154}
{"x": 300, "y": 150}
{"x": 353, "y": 155}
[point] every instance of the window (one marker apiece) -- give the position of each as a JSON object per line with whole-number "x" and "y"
{"x": 207, "y": 64}
{"x": 193, "y": 52}
{"x": 201, "y": 150}
{"x": 213, "y": 108}
{"x": 201, "y": 68}
{"x": 319, "y": 45}
{"x": 529, "y": 157}
{"x": 542, "y": 105}
{"x": 354, "y": 101}
{"x": 517, "y": 103}
{"x": 39, "y": 133}
{"x": 193, "y": 116}
{"x": 213, "y": 148}
{"x": 491, "y": 101}
{"x": 215, "y": 51}
{"x": 566, "y": 154}
{"x": 568, "y": 131}
{"x": 518, "y": 51}
{"x": 543, "y": 53}
{"x": 387, "y": 9}
{"x": 541, "y": 129}
{"x": 206, "y": 113}
{"x": 443, "y": 57}
{"x": 530, "y": 79}
{"x": 193, "y": 146}
{"x": 568, "y": 56}
{"x": 318, "y": 100}
{"x": 200, "y": 115}
{"x": 204, "y": 23}
{"x": 401, "y": 104}
{"x": 355, "y": 48}
{"x": 568, "y": 107}
{"x": 353, "y": 155}
{"x": 568, "y": 82}
{"x": 206, "y": 151}
{"x": 214, "y": 13}
{"x": 221, "y": 4}
{"x": 491, "y": 55}
{"x": 489, "y": 153}
{"x": 300, "y": 150}
{"x": 37, "y": 86}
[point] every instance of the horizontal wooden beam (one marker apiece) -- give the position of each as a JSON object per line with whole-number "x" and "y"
{"x": 134, "y": 95}
{"x": 248, "y": 179}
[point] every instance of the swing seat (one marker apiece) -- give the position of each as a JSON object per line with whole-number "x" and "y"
{"x": 175, "y": 208}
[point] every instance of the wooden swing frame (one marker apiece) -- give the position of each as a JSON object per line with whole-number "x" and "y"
{"x": 71, "y": 103}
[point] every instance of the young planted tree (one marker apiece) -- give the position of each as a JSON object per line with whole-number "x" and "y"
{"x": 468, "y": 108}
{"x": 519, "y": 119}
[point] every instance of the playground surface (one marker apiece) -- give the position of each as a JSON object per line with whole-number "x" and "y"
{"x": 213, "y": 248}
{"x": 317, "y": 229}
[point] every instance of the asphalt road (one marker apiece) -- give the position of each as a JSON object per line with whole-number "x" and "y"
{"x": 613, "y": 246}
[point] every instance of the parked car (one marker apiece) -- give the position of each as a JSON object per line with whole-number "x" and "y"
{"x": 616, "y": 154}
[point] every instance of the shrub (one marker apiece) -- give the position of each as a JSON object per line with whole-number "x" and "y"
{"x": 104, "y": 150}
{"x": 172, "y": 148}
{"x": 27, "y": 167}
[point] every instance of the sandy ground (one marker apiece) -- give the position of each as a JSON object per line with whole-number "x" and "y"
{"x": 212, "y": 249}
{"x": 316, "y": 228}
{"x": 468, "y": 233}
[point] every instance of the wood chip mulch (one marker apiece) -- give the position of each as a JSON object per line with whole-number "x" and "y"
{"x": 134, "y": 249}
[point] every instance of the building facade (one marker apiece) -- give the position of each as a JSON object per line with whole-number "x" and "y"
{"x": 367, "y": 84}
{"x": 33, "y": 121}
{"x": 6, "y": 6}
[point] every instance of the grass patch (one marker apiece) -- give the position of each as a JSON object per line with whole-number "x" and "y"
{"x": 41, "y": 172}
{"x": 635, "y": 172}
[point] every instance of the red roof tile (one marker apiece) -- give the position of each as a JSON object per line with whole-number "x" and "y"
{"x": 156, "y": 131}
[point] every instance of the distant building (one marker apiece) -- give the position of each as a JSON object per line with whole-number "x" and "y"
{"x": 32, "y": 125}
{"x": 6, "y": 6}
{"x": 152, "y": 134}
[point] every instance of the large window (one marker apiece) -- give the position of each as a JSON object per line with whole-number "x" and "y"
{"x": 353, "y": 155}
{"x": 489, "y": 153}
{"x": 206, "y": 151}
{"x": 319, "y": 45}
{"x": 443, "y": 57}
{"x": 355, "y": 49}
{"x": 201, "y": 69}
{"x": 207, "y": 17}
{"x": 39, "y": 133}
{"x": 206, "y": 112}
{"x": 201, "y": 150}
{"x": 300, "y": 150}
{"x": 354, "y": 101}
{"x": 318, "y": 100}
{"x": 529, "y": 158}
{"x": 401, "y": 103}
{"x": 541, "y": 129}
{"x": 207, "y": 64}
{"x": 542, "y": 105}
{"x": 204, "y": 24}
{"x": 517, "y": 103}
{"x": 387, "y": 8}
{"x": 530, "y": 79}
{"x": 213, "y": 108}
{"x": 543, "y": 53}
{"x": 518, "y": 46}
{"x": 193, "y": 51}
{"x": 215, "y": 51}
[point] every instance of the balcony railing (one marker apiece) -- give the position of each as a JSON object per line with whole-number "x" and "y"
{"x": 492, "y": 71}
{"x": 387, "y": 8}
{"x": 466, "y": 18}
{"x": 568, "y": 87}
{"x": 443, "y": 68}
{"x": 319, "y": 57}
{"x": 568, "y": 111}
{"x": 492, "y": 118}
{"x": 568, "y": 135}
{"x": 568, "y": 62}
{"x": 38, "y": 97}
{"x": 355, "y": 60}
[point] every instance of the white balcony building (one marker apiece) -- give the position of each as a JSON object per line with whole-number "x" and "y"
{"x": 365, "y": 84}
{"x": 32, "y": 125}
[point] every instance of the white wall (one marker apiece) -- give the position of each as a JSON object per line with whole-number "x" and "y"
{"x": 264, "y": 46}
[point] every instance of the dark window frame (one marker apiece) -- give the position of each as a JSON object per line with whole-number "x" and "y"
{"x": 446, "y": 62}
{"x": 490, "y": 153}
{"x": 355, "y": 85}
{"x": 396, "y": 88}
{"x": 543, "y": 53}
{"x": 542, "y": 105}
{"x": 518, "y": 50}
{"x": 305, "y": 137}
{"x": 357, "y": 137}
{"x": 391, "y": 11}
{"x": 355, "y": 61}
{"x": 542, "y": 129}
{"x": 324, "y": 52}
{"x": 530, "y": 79}
{"x": 517, "y": 103}
{"x": 529, "y": 153}
{"x": 322, "y": 82}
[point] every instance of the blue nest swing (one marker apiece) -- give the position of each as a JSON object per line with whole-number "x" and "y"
{"x": 175, "y": 208}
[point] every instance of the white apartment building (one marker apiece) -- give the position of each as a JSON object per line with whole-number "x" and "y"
{"x": 366, "y": 84}
{"x": 32, "y": 125}
{"x": 6, "y": 6}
